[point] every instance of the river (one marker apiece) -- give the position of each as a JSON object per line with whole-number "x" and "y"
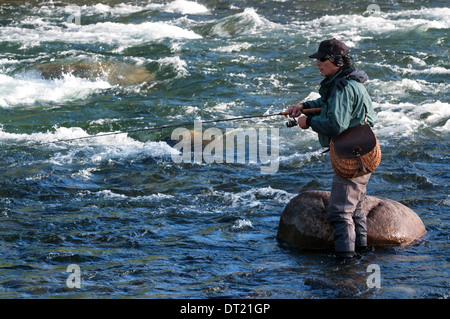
{"x": 139, "y": 223}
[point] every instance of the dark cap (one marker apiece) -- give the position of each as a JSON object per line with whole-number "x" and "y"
{"x": 330, "y": 47}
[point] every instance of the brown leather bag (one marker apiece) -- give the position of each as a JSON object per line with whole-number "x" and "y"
{"x": 355, "y": 152}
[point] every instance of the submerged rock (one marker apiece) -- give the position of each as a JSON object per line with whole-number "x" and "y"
{"x": 118, "y": 73}
{"x": 304, "y": 223}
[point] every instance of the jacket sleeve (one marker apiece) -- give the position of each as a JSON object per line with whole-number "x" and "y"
{"x": 313, "y": 104}
{"x": 335, "y": 117}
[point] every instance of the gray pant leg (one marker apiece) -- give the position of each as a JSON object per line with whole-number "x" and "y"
{"x": 345, "y": 214}
{"x": 359, "y": 219}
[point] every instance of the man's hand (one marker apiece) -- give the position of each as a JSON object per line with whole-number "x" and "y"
{"x": 302, "y": 122}
{"x": 295, "y": 110}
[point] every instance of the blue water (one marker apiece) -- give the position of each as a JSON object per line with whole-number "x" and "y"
{"x": 140, "y": 225}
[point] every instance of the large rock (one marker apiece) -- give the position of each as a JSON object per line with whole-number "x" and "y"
{"x": 117, "y": 73}
{"x": 304, "y": 223}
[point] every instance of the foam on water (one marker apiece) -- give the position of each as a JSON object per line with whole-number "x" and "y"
{"x": 404, "y": 87}
{"x": 121, "y": 9}
{"x": 96, "y": 149}
{"x": 445, "y": 128}
{"x": 176, "y": 63}
{"x": 246, "y": 22}
{"x": 238, "y": 47}
{"x": 111, "y": 33}
{"x": 254, "y": 196}
{"x": 242, "y": 224}
{"x": 420, "y": 68}
{"x": 404, "y": 119}
{"x": 181, "y": 6}
{"x": 356, "y": 27}
{"x": 433, "y": 14}
{"x": 29, "y": 89}
{"x": 112, "y": 195}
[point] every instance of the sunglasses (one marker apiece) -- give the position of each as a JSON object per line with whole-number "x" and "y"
{"x": 325, "y": 58}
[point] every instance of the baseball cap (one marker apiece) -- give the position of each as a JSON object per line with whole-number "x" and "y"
{"x": 330, "y": 48}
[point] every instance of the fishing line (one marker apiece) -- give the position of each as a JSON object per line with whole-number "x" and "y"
{"x": 159, "y": 128}
{"x": 306, "y": 111}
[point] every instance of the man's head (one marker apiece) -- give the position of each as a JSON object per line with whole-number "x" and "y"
{"x": 331, "y": 56}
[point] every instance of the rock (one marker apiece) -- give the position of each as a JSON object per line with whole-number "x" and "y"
{"x": 118, "y": 73}
{"x": 304, "y": 223}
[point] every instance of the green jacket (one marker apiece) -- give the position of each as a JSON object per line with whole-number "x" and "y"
{"x": 344, "y": 102}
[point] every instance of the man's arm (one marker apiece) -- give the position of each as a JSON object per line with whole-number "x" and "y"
{"x": 337, "y": 116}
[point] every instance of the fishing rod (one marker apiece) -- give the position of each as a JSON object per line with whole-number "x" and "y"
{"x": 290, "y": 123}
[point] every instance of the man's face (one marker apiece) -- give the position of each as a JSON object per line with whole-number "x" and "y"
{"x": 326, "y": 68}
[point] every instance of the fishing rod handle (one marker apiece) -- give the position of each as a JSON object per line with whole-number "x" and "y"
{"x": 312, "y": 111}
{"x": 306, "y": 111}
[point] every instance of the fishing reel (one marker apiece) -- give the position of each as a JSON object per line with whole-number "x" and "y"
{"x": 291, "y": 123}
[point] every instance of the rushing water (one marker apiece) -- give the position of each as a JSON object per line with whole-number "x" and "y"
{"x": 139, "y": 224}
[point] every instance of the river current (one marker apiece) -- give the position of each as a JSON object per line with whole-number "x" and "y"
{"x": 134, "y": 221}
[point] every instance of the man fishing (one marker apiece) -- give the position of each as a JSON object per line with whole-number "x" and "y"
{"x": 345, "y": 103}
